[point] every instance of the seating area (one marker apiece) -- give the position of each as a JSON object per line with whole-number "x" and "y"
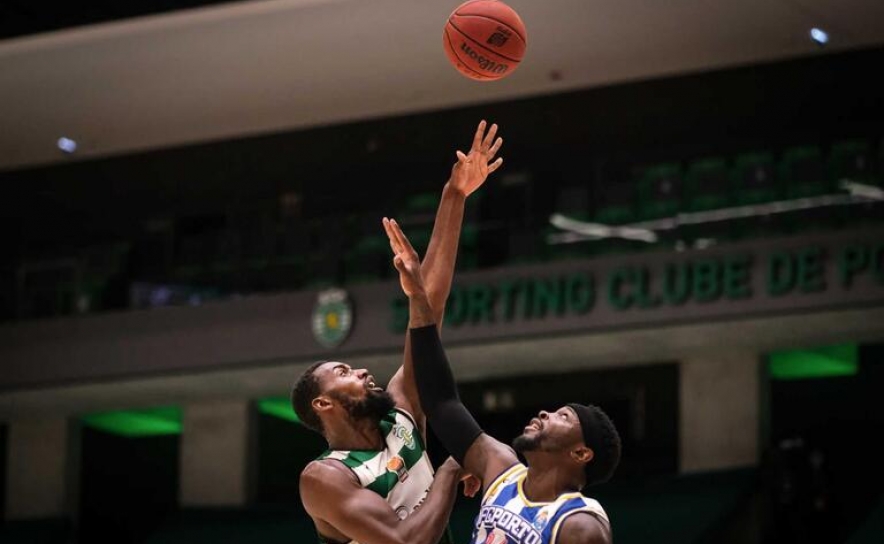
{"x": 686, "y": 202}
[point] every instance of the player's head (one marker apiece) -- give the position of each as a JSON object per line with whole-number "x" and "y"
{"x": 583, "y": 436}
{"x": 331, "y": 389}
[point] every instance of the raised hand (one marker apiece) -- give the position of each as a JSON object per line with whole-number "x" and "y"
{"x": 471, "y": 485}
{"x": 405, "y": 259}
{"x": 471, "y": 170}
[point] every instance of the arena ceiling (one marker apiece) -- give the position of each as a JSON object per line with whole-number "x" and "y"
{"x": 134, "y": 76}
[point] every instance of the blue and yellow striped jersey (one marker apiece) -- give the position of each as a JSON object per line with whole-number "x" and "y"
{"x": 508, "y": 517}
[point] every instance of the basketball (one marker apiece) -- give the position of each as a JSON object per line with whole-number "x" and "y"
{"x": 485, "y": 39}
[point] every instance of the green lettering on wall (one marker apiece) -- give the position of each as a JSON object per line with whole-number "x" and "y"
{"x": 811, "y": 274}
{"x": 456, "y": 308}
{"x": 579, "y": 292}
{"x": 676, "y": 283}
{"x": 480, "y": 302}
{"x": 737, "y": 282}
{"x": 508, "y": 292}
{"x": 780, "y": 273}
{"x": 526, "y": 296}
{"x": 548, "y": 296}
{"x": 618, "y": 287}
{"x": 851, "y": 261}
{"x": 644, "y": 296}
{"x": 707, "y": 280}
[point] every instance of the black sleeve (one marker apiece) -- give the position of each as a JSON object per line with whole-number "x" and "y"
{"x": 451, "y": 421}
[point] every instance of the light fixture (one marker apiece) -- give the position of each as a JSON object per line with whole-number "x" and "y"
{"x": 820, "y": 36}
{"x": 67, "y": 145}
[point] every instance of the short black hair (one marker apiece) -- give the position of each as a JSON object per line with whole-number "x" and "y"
{"x": 600, "y": 435}
{"x": 303, "y": 392}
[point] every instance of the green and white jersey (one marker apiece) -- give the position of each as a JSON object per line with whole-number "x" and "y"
{"x": 401, "y": 473}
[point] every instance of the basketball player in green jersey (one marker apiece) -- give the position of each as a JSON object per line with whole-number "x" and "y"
{"x": 375, "y": 484}
{"x": 565, "y": 450}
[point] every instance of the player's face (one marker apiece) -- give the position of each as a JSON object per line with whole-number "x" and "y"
{"x": 354, "y": 390}
{"x": 342, "y": 381}
{"x": 550, "y": 431}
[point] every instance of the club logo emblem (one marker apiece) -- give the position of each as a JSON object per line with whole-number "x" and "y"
{"x": 332, "y": 317}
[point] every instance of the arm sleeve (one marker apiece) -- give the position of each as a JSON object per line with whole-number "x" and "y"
{"x": 451, "y": 421}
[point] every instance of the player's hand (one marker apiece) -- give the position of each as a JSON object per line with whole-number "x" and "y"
{"x": 405, "y": 260}
{"x": 471, "y": 170}
{"x": 452, "y": 465}
{"x": 471, "y": 485}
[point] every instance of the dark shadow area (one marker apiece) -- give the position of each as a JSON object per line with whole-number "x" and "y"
{"x": 128, "y": 486}
{"x": 823, "y": 474}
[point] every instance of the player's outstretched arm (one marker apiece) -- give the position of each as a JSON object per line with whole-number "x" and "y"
{"x": 467, "y": 175}
{"x": 452, "y": 423}
{"x": 332, "y": 495}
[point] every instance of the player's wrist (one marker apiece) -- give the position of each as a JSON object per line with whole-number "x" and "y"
{"x": 452, "y": 191}
{"x": 452, "y": 467}
{"x": 419, "y": 296}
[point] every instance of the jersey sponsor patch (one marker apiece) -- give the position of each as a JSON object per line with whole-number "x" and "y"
{"x": 397, "y": 465}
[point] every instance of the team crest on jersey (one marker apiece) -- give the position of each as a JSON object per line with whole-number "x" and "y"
{"x": 405, "y": 435}
{"x": 397, "y": 465}
{"x": 541, "y": 520}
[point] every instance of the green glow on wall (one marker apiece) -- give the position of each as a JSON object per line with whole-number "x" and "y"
{"x": 137, "y": 423}
{"x": 824, "y": 362}
{"x": 280, "y": 407}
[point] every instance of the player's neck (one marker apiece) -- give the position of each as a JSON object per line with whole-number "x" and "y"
{"x": 547, "y": 479}
{"x": 355, "y": 434}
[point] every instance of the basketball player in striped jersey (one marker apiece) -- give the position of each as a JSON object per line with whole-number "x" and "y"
{"x": 566, "y": 450}
{"x": 375, "y": 484}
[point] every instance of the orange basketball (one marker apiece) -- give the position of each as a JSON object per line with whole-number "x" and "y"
{"x": 485, "y": 39}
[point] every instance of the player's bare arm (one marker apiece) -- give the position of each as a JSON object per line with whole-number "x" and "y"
{"x": 343, "y": 510}
{"x": 584, "y": 528}
{"x": 453, "y": 424}
{"x": 467, "y": 175}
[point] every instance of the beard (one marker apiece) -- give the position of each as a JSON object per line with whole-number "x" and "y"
{"x": 524, "y": 443}
{"x": 374, "y": 406}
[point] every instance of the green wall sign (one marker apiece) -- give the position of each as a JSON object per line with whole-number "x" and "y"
{"x": 635, "y": 287}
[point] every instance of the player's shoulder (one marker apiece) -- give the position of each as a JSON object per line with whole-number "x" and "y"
{"x": 401, "y": 414}
{"x": 324, "y": 484}
{"x": 584, "y": 527}
{"x": 324, "y": 473}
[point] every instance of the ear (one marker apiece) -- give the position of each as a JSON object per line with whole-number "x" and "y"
{"x": 321, "y": 404}
{"x": 582, "y": 454}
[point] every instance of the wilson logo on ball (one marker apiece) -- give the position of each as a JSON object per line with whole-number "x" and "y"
{"x": 484, "y": 63}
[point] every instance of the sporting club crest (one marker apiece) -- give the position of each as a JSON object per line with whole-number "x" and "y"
{"x": 332, "y": 317}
